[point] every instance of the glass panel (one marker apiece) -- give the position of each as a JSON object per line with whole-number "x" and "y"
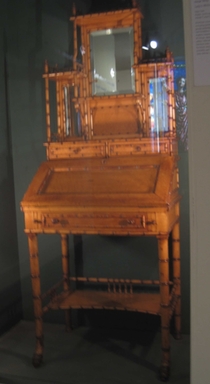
{"x": 72, "y": 121}
{"x": 158, "y": 107}
{"x": 111, "y": 61}
{"x": 67, "y": 120}
{"x": 53, "y": 111}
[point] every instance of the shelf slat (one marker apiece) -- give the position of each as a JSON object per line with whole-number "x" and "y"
{"x": 137, "y": 302}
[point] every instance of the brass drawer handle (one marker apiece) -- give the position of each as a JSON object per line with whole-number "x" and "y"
{"x": 62, "y": 222}
{"x": 55, "y": 221}
{"x": 42, "y": 221}
{"x": 130, "y": 222}
{"x": 126, "y": 222}
{"x": 144, "y": 222}
{"x": 152, "y": 222}
{"x": 37, "y": 221}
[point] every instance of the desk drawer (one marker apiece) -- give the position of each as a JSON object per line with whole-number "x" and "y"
{"x": 99, "y": 222}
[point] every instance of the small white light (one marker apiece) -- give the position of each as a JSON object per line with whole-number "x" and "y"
{"x": 145, "y": 48}
{"x": 108, "y": 31}
{"x": 153, "y": 44}
{"x": 112, "y": 72}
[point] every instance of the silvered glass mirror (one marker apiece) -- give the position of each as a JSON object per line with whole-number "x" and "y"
{"x": 112, "y": 61}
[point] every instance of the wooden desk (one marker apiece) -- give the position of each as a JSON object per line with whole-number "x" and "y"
{"x": 135, "y": 195}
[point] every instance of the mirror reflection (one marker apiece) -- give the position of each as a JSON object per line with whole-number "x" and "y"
{"x": 112, "y": 61}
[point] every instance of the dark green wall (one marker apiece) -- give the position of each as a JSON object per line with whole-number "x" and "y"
{"x": 10, "y": 287}
{"x": 37, "y": 30}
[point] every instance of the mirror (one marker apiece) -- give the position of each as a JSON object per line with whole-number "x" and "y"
{"x": 112, "y": 61}
{"x": 71, "y": 115}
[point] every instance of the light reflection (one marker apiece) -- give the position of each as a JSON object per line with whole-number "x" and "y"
{"x": 153, "y": 44}
{"x": 112, "y": 72}
{"x": 82, "y": 50}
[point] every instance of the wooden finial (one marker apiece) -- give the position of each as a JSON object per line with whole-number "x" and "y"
{"x": 46, "y": 66}
{"x": 74, "y": 9}
{"x": 168, "y": 54}
{"x": 134, "y": 3}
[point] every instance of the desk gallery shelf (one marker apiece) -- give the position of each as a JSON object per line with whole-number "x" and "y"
{"x": 120, "y": 295}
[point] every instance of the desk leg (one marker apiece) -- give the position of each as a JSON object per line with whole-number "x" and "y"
{"x": 176, "y": 277}
{"x": 65, "y": 267}
{"x": 163, "y": 253}
{"x": 36, "y": 291}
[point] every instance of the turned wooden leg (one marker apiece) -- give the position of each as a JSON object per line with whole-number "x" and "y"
{"x": 36, "y": 291}
{"x": 65, "y": 267}
{"x": 165, "y": 309}
{"x": 176, "y": 277}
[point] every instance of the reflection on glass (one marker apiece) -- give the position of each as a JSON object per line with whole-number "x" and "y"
{"x": 67, "y": 111}
{"x": 158, "y": 110}
{"x": 53, "y": 110}
{"x": 111, "y": 61}
{"x": 72, "y": 120}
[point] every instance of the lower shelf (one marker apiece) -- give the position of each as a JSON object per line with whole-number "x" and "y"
{"x": 86, "y": 299}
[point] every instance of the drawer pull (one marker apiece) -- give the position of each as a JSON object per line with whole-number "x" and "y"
{"x": 55, "y": 221}
{"x": 144, "y": 222}
{"x": 130, "y": 222}
{"x": 152, "y": 222}
{"x": 37, "y": 221}
{"x": 62, "y": 222}
{"x": 125, "y": 222}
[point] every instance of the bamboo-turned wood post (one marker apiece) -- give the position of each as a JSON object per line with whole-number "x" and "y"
{"x": 135, "y": 38}
{"x": 47, "y": 100}
{"x": 75, "y": 38}
{"x": 90, "y": 69}
{"x": 148, "y": 126}
{"x": 61, "y": 100}
{"x": 173, "y": 98}
{"x": 170, "y": 100}
{"x": 58, "y": 101}
{"x": 176, "y": 277}
{"x": 65, "y": 268}
{"x": 87, "y": 85}
{"x": 163, "y": 253}
{"x": 63, "y": 111}
{"x": 139, "y": 38}
{"x": 143, "y": 91}
{"x": 36, "y": 292}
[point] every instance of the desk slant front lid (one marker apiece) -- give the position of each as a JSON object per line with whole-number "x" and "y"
{"x": 117, "y": 188}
